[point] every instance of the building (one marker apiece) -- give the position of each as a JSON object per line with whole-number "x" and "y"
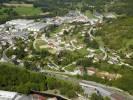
{"x": 6, "y": 95}
{"x": 110, "y": 15}
{"x": 2, "y": 27}
{"x": 117, "y": 96}
{"x": 91, "y": 71}
{"x": 24, "y": 24}
{"x": 21, "y": 22}
{"x": 37, "y": 27}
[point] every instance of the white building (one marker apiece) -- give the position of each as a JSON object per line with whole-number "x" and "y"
{"x": 6, "y": 95}
{"x": 110, "y": 15}
{"x": 93, "y": 21}
{"x": 37, "y": 27}
{"x": 30, "y": 25}
{"x": 1, "y": 27}
{"x": 21, "y": 22}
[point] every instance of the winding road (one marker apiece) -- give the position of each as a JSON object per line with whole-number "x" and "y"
{"x": 90, "y": 86}
{"x": 4, "y": 56}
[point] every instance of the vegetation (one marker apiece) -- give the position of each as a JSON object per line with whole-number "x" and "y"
{"x": 118, "y": 34}
{"x": 66, "y": 57}
{"x": 115, "y": 35}
{"x": 95, "y": 96}
{"x": 7, "y": 13}
{"x": 122, "y": 83}
{"x": 60, "y": 7}
{"x": 24, "y": 11}
{"x": 21, "y": 80}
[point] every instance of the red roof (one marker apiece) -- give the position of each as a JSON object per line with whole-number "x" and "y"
{"x": 39, "y": 97}
{"x": 118, "y": 97}
{"x": 92, "y": 69}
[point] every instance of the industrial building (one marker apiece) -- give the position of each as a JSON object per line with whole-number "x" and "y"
{"x": 29, "y": 25}
{"x": 37, "y": 27}
{"x": 21, "y": 22}
{"x": 6, "y": 95}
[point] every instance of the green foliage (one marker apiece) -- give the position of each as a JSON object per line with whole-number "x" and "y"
{"x": 25, "y": 11}
{"x": 20, "y": 80}
{"x": 95, "y": 96}
{"x": 123, "y": 83}
{"x": 69, "y": 56}
{"x": 85, "y": 62}
{"x": 7, "y": 13}
{"x": 126, "y": 81}
{"x": 122, "y": 7}
{"x": 66, "y": 88}
{"x": 118, "y": 34}
{"x": 61, "y": 7}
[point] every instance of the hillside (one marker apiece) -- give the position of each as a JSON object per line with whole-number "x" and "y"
{"x": 23, "y": 81}
{"x": 118, "y": 34}
{"x": 55, "y": 44}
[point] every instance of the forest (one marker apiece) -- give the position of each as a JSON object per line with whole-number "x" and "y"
{"x": 14, "y": 78}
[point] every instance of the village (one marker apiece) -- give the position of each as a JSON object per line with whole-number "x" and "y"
{"x": 41, "y": 44}
{"x": 64, "y": 38}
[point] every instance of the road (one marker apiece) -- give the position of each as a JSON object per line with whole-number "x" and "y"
{"x": 4, "y": 56}
{"x": 106, "y": 90}
{"x": 89, "y": 32}
{"x": 91, "y": 86}
{"x": 104, "y": 51}
{"x": 101, "y": 47}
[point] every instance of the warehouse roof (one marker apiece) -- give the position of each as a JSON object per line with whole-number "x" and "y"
{"x": 7, "y": 95}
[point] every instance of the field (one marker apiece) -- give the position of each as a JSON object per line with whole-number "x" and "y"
{"x": 38, "y": 44}
{"x": 6, "y": 12}
{"x": 28, "y": 11}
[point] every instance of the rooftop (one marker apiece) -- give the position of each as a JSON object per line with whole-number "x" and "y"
{"x": 20, "y": 22}
{"x": 7, "y": 95}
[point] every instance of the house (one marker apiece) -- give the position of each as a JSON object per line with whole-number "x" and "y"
{"x": 98, "y": 15}
{"x": 93, "y": 21}
{"x": 91, "y": 71}
{"x": 39, "y": 97}
{"x": 110, "y": 15}
{"x": 54, "y": 98}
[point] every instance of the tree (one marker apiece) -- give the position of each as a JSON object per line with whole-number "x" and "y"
{"x": 95, "y": 96}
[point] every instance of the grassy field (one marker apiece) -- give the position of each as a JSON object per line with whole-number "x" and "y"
{"x": 39, "y": 43}
{"x": 28, "y": 11}
{"x": 21, "y": 11}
